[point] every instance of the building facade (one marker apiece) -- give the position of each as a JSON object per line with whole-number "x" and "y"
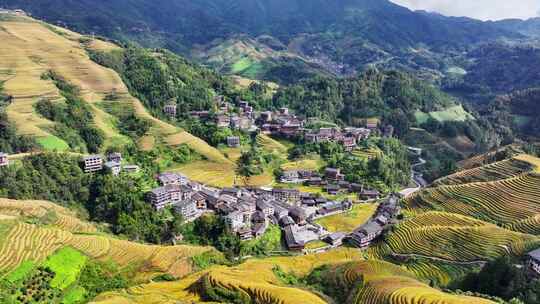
{"x": 93, "y": 163}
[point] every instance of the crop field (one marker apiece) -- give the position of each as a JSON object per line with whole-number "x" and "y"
{"x": 32, "y": 49}
{"x": 455, "y": 113}
{"x": 271, "y": 145}
{"x": 492, "y": 172}
{"x": 388, "y": 283}
{"x": 347, "y": 222}
{"x": 220, "y": 174}
{"x": 254, "y": 279}
{"x": 505, "y": 201}
{"x": 67, "y": 263}
{"x": 367, "y": 153}
{"x": 47, "y": 212}
{"x": 30, "y": 242}
{"x": 452, "y": 237}
{"x": 52, "y": 143}
{"x": 309, "y": 163}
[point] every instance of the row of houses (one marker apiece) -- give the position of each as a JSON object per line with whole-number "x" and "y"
{"x": 332, "y": 180}
{"x": 112, "y": 164}
{"x": 364, "y": 235}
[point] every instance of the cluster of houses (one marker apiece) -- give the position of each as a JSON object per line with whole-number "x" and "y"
{"x": 112, "y": 164}
{"x": 248, "y": 211}
{"x": 364, "y": 235}
{"x": 347, "y": 137}
{"x": 332, "y": 180}
{"x": 281, "y": 122}
{"x": 242, "y": 119}
{"x": 4, "y": 160}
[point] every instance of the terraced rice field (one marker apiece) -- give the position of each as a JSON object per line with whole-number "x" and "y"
{"x": 271, "y": 145}
{"x": 220, "y": 174}
{"x": 367, "y": 153}
{"x": 452, "y": 237}
{"x": 312, "y": 163}
{"x": 500, "y": 170}
{"x": 28, "y": 242}
{"x": 388, "y": 283}
{"x": 61, "y": 218}
{"x": 487, "y": 158}
{"x": 504, "y": 201}
{"x": 254, "y": 279}
{"x": 198, "y": 145}
{"x": 32, "y": 49}
{"x": 440, "y": 273}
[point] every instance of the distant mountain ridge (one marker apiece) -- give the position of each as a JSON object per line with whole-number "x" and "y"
{"x": 202, "y": 21}
{"x": 342, "y": 36}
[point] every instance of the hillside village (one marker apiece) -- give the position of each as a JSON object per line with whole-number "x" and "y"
{"x": 249, "y": 211}
{"x": 140, "y": 216}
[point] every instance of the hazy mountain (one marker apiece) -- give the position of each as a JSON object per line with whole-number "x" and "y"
{"x": 530, "y": 27}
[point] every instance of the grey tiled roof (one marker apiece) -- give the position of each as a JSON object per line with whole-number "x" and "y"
{"x": 535, "y": 254}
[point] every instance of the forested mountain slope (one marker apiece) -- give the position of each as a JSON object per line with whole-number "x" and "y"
{"x": 47, "y": 71}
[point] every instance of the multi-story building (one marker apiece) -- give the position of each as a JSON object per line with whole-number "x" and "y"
{"x": 363, "y": 236}
{"x": 290, "y": 176}
{"x": 93, "y": 163}
{"x": 369, "y": 194}
{"x": 187, "y": 208}
{"x": 169, "y": 195}
{"x": 4, "y": 161}
{"x": 159, "y": 198}
{"x": 223, "y": 121}
{"x": 233, "y": 141}
{"x": 265, "y": 208}
{"x": 235, "y": 220}
{"x": 168, "y": 178}
{"x": 170, "y": 109}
